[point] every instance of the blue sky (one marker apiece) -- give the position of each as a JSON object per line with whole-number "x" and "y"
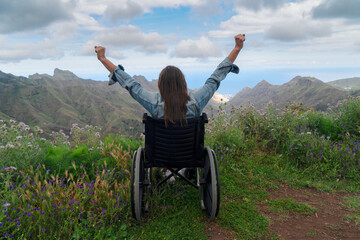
{"x": 318, "y": 38}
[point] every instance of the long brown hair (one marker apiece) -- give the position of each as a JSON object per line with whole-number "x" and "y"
{"x": 174, "y": 93}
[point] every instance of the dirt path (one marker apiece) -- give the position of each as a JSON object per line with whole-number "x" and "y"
{"x": 327, "y": 223}
{"x": 215, "y": 232}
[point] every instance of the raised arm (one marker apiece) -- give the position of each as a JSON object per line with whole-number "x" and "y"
{"x": 239, "y": 43}
{"x": 100, "y": 52}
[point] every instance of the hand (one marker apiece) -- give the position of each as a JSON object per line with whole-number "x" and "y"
{"x": 100, "y": 51}
{"x": 239, "y": 41}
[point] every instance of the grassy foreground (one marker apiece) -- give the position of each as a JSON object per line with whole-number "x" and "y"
{"x": 76, "y": 186}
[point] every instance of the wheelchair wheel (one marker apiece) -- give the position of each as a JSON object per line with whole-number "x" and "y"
{"x": 209, "y": 185}
{"x": 139, "y": 188}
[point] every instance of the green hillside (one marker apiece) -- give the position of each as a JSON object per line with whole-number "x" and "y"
{"x": 347, "y": 83}
{"x": 56, "y": 102}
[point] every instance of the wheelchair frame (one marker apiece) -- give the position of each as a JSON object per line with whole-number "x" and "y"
{"x": 175, "y": 147}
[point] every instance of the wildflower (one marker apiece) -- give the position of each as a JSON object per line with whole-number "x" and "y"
{"x": 9, "y": 168}
{"x": 9, "y": 145}
{"x": 6, "y": 204}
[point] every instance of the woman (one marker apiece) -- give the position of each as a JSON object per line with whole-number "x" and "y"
{"x": 173, "y": 103}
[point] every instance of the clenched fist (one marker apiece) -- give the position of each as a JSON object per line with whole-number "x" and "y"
{"x": 239, "y": 41}
{"x": 100, "y": 52}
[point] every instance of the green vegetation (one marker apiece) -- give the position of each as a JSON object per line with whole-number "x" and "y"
{"x": 76, "y": 186}
{"x": 289, "y": 205}
{"x": 353, "y": 203}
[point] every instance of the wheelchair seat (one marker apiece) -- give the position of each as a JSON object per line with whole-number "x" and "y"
{"x": 175, "y": 147}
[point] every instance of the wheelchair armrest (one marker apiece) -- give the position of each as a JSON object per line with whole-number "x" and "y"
{"x": 204, "y": 116}
{"x": 144, "y": 117}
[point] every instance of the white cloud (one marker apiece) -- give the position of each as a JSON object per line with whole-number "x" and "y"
{"x": 337, "y": 9}
{"x": 297, "y": 30}
{"x": 290, "y": 21}
{"x": 22, "y": 15}
{"x": 49, "y": 47}
{"x": 21, "y": 51}
{"x": 126, "y": 36}
{"x": 127, "y": 11}
{"x": 256, "y": 5}
{"x": 201, "y": 48}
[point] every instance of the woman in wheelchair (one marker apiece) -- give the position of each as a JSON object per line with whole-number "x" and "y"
{"x": 174, "y": 134}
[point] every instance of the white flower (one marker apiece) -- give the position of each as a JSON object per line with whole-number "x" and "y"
{"x": 39, "y": 129}
{"x": 6, "y": 204}
{"x": 19, "y": 137}
{"x": 9, "y": 145}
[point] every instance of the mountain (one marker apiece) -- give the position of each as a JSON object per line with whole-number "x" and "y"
{"x": 56, "y": 102}
{"x": 306, "y": 90}
{"x": 347, "y": 83}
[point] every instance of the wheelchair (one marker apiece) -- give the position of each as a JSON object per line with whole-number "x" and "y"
{"x": 175, "y": 147}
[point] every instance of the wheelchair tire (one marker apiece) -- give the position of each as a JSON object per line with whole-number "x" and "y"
{"x": 210, "y": 187}
{"x": 137, "y": 185}
{"x": 132, "y": 179}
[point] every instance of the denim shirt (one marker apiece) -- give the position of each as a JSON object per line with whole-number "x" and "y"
{"x": 152, "y": 101}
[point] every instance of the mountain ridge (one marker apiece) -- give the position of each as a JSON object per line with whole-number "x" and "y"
{"x": 309, "y": 91}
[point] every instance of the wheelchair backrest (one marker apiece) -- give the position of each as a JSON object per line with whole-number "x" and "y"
{"x": 174, "y": 146}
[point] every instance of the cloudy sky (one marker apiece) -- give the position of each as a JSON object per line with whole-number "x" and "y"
{"x": 319, "y": 38}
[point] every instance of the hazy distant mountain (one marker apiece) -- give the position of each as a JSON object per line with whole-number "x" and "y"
{"x": 56, "y": 102}
{"x": 347, "y": 83}
{"x": 306, "y": 90}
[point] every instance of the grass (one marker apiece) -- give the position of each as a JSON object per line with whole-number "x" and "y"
{"x": 289, "y": 205}
{"x": 77, "y": 186}
{"x": 353, "y": 203}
